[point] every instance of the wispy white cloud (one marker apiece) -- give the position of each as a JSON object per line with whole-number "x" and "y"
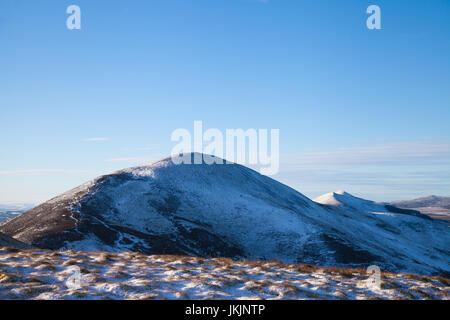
{"x": 130, "y": 159}
{"x": 381, "y": 172}
{"x": 41, "y": 172}
{"x": 97, "y": 139}
{"x": 133, "y": 160}
{"x": 147, "y": 148}
{"x": 410, "y": 153}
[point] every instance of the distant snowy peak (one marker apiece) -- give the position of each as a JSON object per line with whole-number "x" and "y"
{"x": 345, "y": 201}
{"x": 342, "y": 198}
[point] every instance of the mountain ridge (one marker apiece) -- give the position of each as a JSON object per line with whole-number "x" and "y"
{"x": 231, "y": 211}
{"x": 437, "y": 207}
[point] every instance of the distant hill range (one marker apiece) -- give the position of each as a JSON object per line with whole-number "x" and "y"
{"x": 9, "y": 211}
{"x": 433, "y": 206}
{"x": 232, "y": 211}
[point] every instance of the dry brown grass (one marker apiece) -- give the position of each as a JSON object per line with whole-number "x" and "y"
{"x": 442, "y": 280}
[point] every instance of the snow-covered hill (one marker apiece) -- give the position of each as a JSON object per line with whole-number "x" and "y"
{"x": 231, "y": 211}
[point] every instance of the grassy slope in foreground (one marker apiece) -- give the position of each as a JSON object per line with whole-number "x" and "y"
{"x": 40, "y": 274}
{"x": 6, "y": 241}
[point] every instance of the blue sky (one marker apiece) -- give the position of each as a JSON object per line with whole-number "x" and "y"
{"x": 363, "y": 110}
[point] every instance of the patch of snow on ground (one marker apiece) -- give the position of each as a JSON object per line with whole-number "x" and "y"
{"x": 35, "y": 274}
